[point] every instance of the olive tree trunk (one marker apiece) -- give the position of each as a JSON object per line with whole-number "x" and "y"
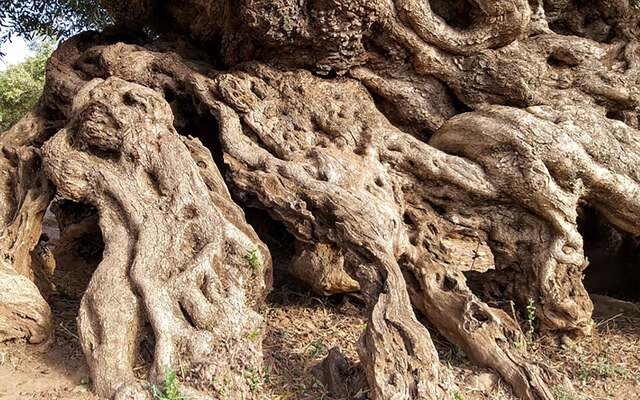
{"x": 413, "y": 149}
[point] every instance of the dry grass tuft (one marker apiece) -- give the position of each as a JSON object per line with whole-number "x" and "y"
{"x": 301, "y": 329}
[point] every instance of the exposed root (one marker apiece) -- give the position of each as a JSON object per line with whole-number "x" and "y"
{"x": 393, "y": 199}
{"x": 24, "y": 197}
{"x": 176, "y": 249}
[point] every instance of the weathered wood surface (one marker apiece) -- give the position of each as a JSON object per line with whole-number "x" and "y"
{"x": 412, "y": 148}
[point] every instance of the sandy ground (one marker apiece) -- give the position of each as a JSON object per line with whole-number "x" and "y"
{"x": 301, "y": 330}
{"x": 54, "y": 370}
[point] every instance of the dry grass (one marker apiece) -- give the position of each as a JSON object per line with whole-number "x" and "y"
{"x": 301, "y": 328}
{"x": 603, "y": 366}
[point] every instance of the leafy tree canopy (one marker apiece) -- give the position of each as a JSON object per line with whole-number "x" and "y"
{"x": 21, "y": 86}
{"x": 50, "y": 18}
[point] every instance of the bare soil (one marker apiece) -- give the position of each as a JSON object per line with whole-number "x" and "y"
{"x": 302, "y": 328}
{"x": 56, "y": 370}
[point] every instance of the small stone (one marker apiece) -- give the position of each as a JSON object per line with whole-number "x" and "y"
{"x": 484, "y": 381}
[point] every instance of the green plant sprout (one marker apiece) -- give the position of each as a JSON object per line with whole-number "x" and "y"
{"x": 170, "y": 388}
{"x": 254, "y": 260}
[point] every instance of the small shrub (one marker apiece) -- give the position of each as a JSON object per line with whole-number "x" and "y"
{"x": 603, "y": 369}
{"x": 254, "y": 260}
{"x": 560, "y": 393}
{"x": 253, "y": 335}
{"x": 316, "y": 349}
{"x": 170, "y": 388}
{"x": 531, "y": 317}
{"x": 253, "y": 379}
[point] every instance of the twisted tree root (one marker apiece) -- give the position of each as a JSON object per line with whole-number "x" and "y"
{"x": 176, "y": 250}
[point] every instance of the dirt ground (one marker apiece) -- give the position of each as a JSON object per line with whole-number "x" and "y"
{"x": 303, "y": 327}
{"x": 55, "y": 370}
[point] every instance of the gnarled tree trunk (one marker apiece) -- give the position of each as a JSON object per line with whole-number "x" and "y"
{"x": 24, "y": 196}
{"x": 175, "y": 245}
{"x": 413, "y": 149}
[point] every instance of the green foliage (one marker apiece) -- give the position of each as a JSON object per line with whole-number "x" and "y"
{"x": 602, "y": 369}
{"x": 454, "y": 355}
{"x": 50, "y": 18}
{"x": 635, "y": 4}
{"x": 317, "y": 349}
{"x": 256, "y": 379}
{"x": 86, "y": 381}
{"x": 253, "y": 379}
{"x": 253, "y": 335}
{"x": 170, "y": 388}
{"x": 560, "y": 393}
{"x": 531, "y": 316}
{"x": 254, "y": 260}
{"x": 21, "y": 86}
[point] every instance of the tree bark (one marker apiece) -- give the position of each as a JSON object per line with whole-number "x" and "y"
{"x": 176, "y": 249}
{"x": 24, "y": 196}
{"x": 413, "y": 149}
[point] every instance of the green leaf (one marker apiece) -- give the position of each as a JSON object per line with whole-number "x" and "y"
{"x": 21, "y": 86}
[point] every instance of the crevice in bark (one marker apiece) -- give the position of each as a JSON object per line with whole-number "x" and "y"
{"x": 614, "y": 257}
{"x": 78, "y": 250}
{"x": 617, "y": 115}
{"x": 604, "y": 22}
{"x": 275, "y": 235}
{"x": 201, "y": 125}
{"x": 459, "y": 14}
